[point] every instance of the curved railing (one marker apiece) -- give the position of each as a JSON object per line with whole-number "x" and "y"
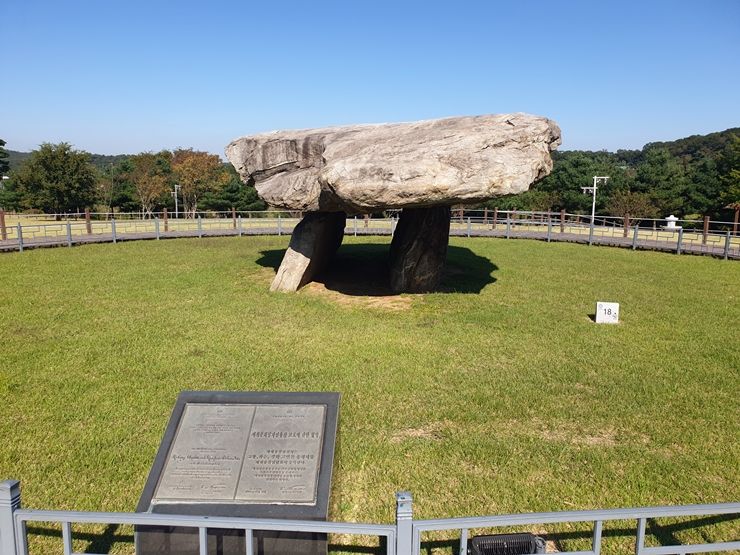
{"x": 720, "y": 239}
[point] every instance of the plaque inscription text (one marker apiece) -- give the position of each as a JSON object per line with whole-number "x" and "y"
{"x": 242, "y": 453}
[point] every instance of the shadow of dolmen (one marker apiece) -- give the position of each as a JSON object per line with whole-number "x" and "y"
{"x": 362, "y": 270}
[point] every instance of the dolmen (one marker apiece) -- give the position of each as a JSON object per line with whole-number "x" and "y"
{"x": 422, "y": 167}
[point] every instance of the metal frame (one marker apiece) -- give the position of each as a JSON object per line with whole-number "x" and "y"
{"x": 402, "y": 538}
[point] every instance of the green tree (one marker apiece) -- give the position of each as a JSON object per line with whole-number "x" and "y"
{"x": 56, "y": 178}
{"x": 662, "y": 176}
{"x": 4, "y": 163}
{"x": 729, "y": 169}
{"x": 197, "y": 173}
{"x": 234, "y": 194}
{"x": 637, "y": 205}
{"x": 150, "y": 174}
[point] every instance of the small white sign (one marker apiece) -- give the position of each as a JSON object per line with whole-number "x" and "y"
{"x": 607, "y": 313}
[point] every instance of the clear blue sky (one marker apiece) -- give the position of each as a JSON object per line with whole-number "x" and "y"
{"x": 124, "y": 77}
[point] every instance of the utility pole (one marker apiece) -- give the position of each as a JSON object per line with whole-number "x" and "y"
{"x": 592, "y": 190}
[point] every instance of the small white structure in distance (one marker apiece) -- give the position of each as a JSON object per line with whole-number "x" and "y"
{"x": 671, "y": 222}
{"x": 607, "y": 313}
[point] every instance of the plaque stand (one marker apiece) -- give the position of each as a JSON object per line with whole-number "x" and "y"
{"x": 250, "y": 454}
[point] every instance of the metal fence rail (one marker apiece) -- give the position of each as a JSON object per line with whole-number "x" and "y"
{"x": 400, "y": 538}
{"x": 596, "y": 518}
{"x": 719, "y": 239}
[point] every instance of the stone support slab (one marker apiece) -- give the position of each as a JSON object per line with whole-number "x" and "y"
{"x": 314, "y": 242}
{"x": 419, "y": 249}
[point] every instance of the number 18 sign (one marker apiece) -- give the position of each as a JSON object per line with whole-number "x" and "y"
{"x": 607, "y": 313}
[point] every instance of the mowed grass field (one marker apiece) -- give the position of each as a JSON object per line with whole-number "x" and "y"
{"x": 497, "y": 395}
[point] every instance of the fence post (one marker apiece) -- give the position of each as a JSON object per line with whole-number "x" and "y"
{"x": 156, "y": 227}
{"x": 680, "y": 240}
{"x": 233, "y": 216}
{"x": 166, "y": 220}
{"x": 706, "y": 230}
{"x": 3, "y": 231}
{"x": 10, "y": 501}
{"x": 367, "y": 220}
{"x": 113, "y": 229}
{"x": 19, "y": 229}
{"x": 88, "y": 222}
{"x": 549, "y": 227}
{"x": 280, "y": 225}
{"x": 485, "y": 215}
{"x": 200, "y": 227}
{"x": 495, "y": 217}
{"x": 240, "y": 225}
{"x": 634, "y": 238}
{"x": 355, "y": 226}
{"x": 69, "y": 234}
{"x": 468, "y": 226}
{"x": 626, "y": 224}
{"x": 727, "y": 245}
{"x": 404, "y": 523}
{"x": 508, "y": 224}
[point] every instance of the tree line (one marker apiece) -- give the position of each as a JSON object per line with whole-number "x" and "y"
{"x": 690, "y": 178}
{"x": 57, "y": 178}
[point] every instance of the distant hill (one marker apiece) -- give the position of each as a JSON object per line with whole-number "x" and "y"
{"x": 698, "y": 145}
{"x": 100, "y": 161}
{"x": 16, "y": 159}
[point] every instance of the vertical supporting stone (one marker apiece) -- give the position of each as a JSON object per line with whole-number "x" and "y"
{"x": 706, "y": 231}
{"x": 495, "y": 217}
{"x": 10, "y": 501}
{"x": 113, "y": 230}
{"x": 88, "y": 221}
{"x": 3, "y": 231}
{"x": 419, "y": 249}
{"x": 19, "y": 232}
{"x": 233, "y": 216}
{"x": 166, "y": 220}
{"x": 156, "y": 228}
{"x": 69, "y": 234}
{"x": 313, "y": 243}
{"x": 626, "y": 224}
{"x": 562, "y": 221}
{"x": 404, "y": 523}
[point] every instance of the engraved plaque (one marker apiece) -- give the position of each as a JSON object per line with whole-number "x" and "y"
{"x": 244, "y": 453}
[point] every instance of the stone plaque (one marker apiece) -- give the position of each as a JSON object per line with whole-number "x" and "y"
{"x": 242, "y": 454}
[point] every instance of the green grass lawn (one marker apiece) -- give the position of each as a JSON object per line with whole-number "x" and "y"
{"x": 497, "y": 395}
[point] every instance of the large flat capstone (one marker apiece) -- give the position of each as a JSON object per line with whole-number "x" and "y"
{"x": 362, "y": 169}
{"x": 369, "y": 168}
